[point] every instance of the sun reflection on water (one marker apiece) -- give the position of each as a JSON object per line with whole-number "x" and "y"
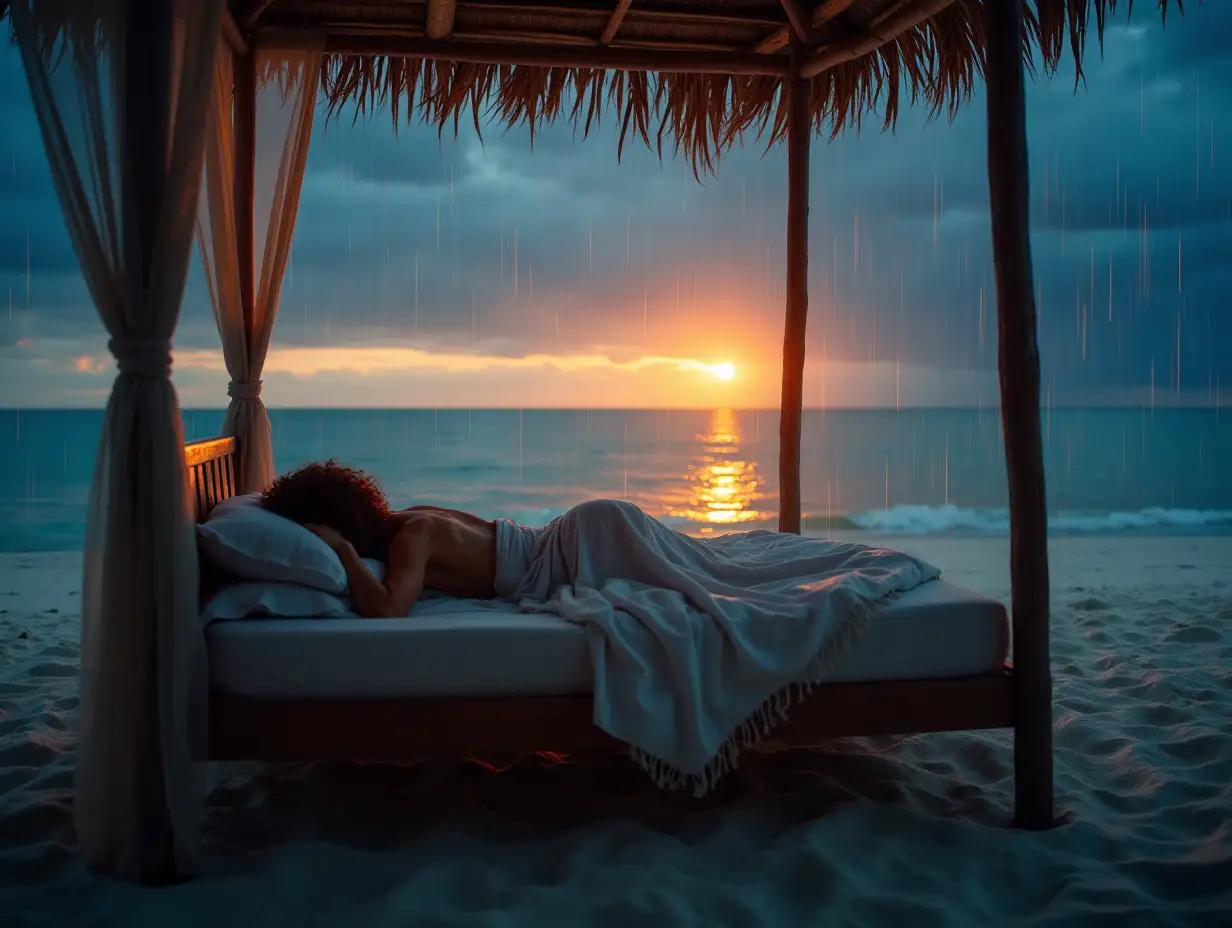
{"x": 724, "y": 486}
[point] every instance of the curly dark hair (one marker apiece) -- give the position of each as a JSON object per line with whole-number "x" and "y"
{"x": 346, "y": 499}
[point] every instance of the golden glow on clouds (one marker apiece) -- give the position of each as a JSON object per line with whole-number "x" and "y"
{"x": 305, "y": 362}
{"x": 86, "y": 364}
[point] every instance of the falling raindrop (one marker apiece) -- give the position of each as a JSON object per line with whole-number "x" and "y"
{"x": 855, "y": 239}
{"x": 1141, "y": 105}
{"x": 936, "y": 213}
{"x": 947, "y": 468}
{"x": 625, "y": 455}
{"x": 1109, "y": 286}
{"x": 1179, "y": 266}
{"x": 981, "y": 316}
{"x": 1178, "y": 352}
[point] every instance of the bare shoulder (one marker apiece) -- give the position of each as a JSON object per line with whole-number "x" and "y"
{"x": 417, "y": 532}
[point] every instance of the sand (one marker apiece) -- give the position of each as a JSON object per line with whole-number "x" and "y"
{"x": 905, "y": 831}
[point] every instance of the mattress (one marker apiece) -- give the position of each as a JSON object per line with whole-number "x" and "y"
{"x": 456, "y": 648}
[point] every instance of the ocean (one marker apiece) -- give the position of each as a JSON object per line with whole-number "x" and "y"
{"x": 910, "y": 471}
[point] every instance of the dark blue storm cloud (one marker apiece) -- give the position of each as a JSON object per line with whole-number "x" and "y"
{"x": 444, "y": 240}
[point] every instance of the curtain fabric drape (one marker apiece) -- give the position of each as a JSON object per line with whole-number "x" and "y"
{"x": 286, "y": 98}
{"x": 121, "y": 90}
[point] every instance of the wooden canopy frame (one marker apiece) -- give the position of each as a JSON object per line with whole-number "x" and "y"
{"x": 791, "y": 41}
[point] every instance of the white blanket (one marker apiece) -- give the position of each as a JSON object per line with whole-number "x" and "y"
{"x": 699, "y": 646}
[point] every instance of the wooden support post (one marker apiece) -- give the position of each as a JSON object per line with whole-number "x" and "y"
{"x": 799, "y": 137}
{"x": 145, "y": 139}
{"x": 1018, "y": 363}
{"x": 246, "y": 180}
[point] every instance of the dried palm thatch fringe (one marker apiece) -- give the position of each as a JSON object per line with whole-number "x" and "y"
{"x": 699, "y": 116}
{"x": 696, "y": 116}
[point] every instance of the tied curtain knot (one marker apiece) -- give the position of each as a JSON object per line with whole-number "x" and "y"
{"x": 244, "y": 390}
{"x": 144, "y": 356}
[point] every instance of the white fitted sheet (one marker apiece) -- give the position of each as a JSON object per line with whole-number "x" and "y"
{"x": 467, "y": 648}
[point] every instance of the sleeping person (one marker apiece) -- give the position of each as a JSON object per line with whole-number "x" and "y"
{"x": 588, "y": 547}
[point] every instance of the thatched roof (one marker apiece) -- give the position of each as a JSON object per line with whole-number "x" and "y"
{"x": 690, "y": 75}
{"x": 874, "y": 56}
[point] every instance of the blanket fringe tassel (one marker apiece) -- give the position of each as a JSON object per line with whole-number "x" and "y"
{"x": 766, "y": 718}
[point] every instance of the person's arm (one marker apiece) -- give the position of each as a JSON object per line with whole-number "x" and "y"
{"x": 404, "y": 574}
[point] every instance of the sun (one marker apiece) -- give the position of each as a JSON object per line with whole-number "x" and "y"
{"x": 724, "y": 371}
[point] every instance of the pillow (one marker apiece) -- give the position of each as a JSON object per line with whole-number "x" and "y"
{"x": 279, "y": 600}
{"x": 254, "y": 544}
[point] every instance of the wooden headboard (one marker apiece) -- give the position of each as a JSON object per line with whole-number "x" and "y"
{"x": 211, "y": 472}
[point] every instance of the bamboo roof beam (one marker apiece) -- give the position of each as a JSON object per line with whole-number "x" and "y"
{"x": 822, "y": 14}
{"x": 614, "y": 21}
{"x": 903, "y": 18}
{"x": 798, "y": 16}
{"x": 616, "y": 58}
{"x": 438, "y": 23}
{"x": 254, "y": 11}
{"x": 235, "y": 38}
{"x": 702, "y": 16}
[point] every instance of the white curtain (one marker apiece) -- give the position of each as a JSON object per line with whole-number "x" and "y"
{"x": 286, "y": 101}
{"x": 121, "y": 89}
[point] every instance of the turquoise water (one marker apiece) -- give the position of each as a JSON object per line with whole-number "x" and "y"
{"x": 908, "y": 471}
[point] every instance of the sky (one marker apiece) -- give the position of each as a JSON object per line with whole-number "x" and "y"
{"x": 487, "y": 272}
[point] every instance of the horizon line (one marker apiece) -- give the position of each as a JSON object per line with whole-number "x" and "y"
{"x": 905, "y": 407}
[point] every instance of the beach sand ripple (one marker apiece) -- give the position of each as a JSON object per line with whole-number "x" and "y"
{"x": 910, "y": 831}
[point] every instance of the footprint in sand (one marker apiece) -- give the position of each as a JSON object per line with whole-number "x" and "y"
{"x": 1090, "y": 604}
{"x": 53, "y": 669}
{"x": 1193, "y": 634}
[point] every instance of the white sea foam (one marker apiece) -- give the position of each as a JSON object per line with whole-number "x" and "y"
{"x": 929, "y": 520}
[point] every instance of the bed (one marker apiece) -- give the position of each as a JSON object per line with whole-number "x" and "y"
{"x": 394, "y": 689}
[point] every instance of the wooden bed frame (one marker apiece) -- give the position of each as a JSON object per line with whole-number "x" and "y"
{"x": 245, "y": 728}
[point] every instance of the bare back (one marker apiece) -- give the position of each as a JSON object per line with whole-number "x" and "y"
{"x": 456, "y": 550}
